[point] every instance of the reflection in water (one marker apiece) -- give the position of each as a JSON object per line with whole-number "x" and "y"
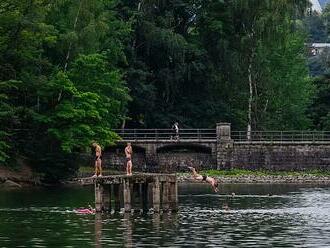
{"x": 156, "y": 222}
{"x": 256, "y": 216}
{"x": 98, "y": 230}
{"x": 128, "y": 232}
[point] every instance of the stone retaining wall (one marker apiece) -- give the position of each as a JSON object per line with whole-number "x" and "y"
{"x": 277, "y": 157}
{"x": 285, "y": 157}
{"x": 166, "y": 162}
{"x": 178, "y": 161}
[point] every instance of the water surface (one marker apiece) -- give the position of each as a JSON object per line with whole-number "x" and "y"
{"x": 257, "y": 216}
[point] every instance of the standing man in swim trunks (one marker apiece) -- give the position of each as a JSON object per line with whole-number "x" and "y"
{"x": 128, "y": 153}
{"x": 98, "y": 160}
{"x": 212, "y": 181}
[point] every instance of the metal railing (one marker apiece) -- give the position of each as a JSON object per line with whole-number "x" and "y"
{"x": 166, "y": 134}
{"x": 207, "y": 134}
{"x": 282, "y": 136}
{"x": 210, "y": 134}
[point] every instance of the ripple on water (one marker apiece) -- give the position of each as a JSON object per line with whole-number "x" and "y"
{"x": 293, "y": 217}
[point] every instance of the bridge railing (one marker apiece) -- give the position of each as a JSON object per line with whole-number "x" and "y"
{"x": 210, "y": 134}
{"x": 166, "y": 134}
{"x": 281, "y": 136}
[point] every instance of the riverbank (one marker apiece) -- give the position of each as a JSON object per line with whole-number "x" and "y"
{"x": 24, "y": 176}
{"x": 265, "y": 177}
{"x": 18, "y": 177}
{"x": 242, "y": 176}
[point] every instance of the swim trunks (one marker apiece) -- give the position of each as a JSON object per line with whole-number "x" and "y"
{"x": 96, "y": 157}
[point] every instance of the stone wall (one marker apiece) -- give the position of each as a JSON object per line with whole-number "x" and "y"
{"x": 276, "y": 157}
{"x": 162, "y": 161}
{"x": 222, "y": 152}
{"x": 117, "y": 161}
{"x": 178, "y": 161}
{"x": 229, "y": 155}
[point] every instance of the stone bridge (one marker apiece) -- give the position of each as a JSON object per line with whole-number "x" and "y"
{"x": 162, "y": 150}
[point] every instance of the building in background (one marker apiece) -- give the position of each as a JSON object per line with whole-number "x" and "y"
{"x": 317, "y": 48}
{"x": 319, "y": 5}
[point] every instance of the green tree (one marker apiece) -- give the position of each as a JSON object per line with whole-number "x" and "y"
{"x": 60, "y": 79}
{"x": 243, "y": 37}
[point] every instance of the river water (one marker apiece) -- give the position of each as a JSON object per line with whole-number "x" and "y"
{"x": 257, "y": 216}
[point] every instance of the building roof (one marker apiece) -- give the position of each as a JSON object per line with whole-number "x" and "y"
{"x": 320, "y": 45}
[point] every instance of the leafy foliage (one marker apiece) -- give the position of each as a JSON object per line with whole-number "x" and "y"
{"x": 72, "y": 71}
{"x": 60, "y": 78}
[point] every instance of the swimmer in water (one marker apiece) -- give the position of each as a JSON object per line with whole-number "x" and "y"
{"x": 88, "y": 210}
{"x": 212, "y": 181}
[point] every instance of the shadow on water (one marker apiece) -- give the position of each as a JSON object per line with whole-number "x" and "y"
{"x": 255, "y": 216}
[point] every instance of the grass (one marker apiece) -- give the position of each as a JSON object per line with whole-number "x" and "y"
{"x": 232, "y": 172}
{"x": 242, "y": 172}
{"x": 90, "y": 169}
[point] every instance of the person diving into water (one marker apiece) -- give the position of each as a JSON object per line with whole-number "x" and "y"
{"x": 212, "y": 181}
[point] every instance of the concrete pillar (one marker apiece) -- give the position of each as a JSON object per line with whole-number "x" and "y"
{"x": 98, "y": 197}
{"x": 161, "y": 192}
{"x": 165, "y": 196}
{"x": 117, "y": 191}
{"x": 106, "y": 198}
{"x": 150, "y": 195}
{"x": 224, "y": 145}
{"x": 140, "y": 191}
{"x": 133, "y": 191}
{"x": 173, "y": 195}
{"x": 145, "y": 196}
{"x": 223, "y": 131}
{"x": 156, "y": 195}
{"x": 127, "y": 195}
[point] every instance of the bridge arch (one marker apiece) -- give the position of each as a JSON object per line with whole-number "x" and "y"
{"x": 184, "y": 147}
{"x": 176, "y": 157}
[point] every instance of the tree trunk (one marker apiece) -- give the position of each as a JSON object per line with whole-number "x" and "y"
{"x": 249, "y": 129}
{"x": 70, "y": 44}
{"x": 123, "y": 124}
{"x": 251, "y": 84}
{"x": 67, "y": 57}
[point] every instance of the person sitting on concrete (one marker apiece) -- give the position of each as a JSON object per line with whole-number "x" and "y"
{"x": 212, "y": 181}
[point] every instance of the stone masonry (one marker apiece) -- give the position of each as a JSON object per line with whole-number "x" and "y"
{"x": 221, "y": 153}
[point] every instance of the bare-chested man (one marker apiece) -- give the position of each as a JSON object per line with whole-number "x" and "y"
{"x": 128, "y": 153}
{"x": 210, "y": 180}
{"x": 98, "y": 160}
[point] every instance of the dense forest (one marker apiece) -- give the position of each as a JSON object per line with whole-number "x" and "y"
{"x": 73, "y": 70}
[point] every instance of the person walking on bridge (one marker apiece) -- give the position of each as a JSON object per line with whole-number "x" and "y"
{"x": 98, "y": 160}
{"x": 128, "y": 153}
{"x": 175, "y": 128}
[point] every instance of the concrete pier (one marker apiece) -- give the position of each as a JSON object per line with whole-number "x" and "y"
{"x": 139, "y": 191}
